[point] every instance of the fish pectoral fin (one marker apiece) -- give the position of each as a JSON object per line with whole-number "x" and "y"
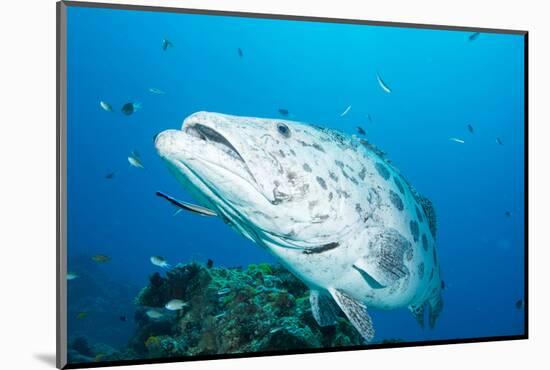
{"x": 356, "y": 312}
{"x": 323, "y": 308}
{"x": 187, "y": 206}
{"x": 384, "y": 264}
{"x": 372, "y": 281}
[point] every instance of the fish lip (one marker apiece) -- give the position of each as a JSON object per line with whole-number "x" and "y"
{"x": 211, "y": 135}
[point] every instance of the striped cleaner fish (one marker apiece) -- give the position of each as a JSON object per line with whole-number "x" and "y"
{"x": 331, "y": 208}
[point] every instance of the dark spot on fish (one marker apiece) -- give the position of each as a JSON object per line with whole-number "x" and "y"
{"x": 322, "y": 182}
{"x": 282, "y": 153}
{"x": 283, "y": 112}
{"x": 342, "y": 193}
{"x": 306, "y": 167}
{"x": 322, "y": 248}
{"x": 291, "y": 176}
{"x": 360, "y": 130}
{"x": 339, "y": 164}
{"x": 314, "y": 145}
{"x": 414, "y": 230}
{"x": 424, "y": 242}
{"x": 293, "y": 152}
{"x": 399, "y": 185}
{"x": 354, "y": 180}
{"x": 362, "y": 173}
{"x": 209, "y": 263}
{"x": 421, "y": 270}
{"x": 396, "y": 200}
{"x": 419, "y": 214}
{"x": 333, "y": 176}
{"x": 409, "y": 254}
{"x": 358, "y": 208}
{"x": 382, "y": 170}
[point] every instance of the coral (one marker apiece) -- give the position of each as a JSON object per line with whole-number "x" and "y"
{"x": 231, "y": 310}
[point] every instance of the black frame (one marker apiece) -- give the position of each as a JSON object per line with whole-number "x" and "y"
{"x": 61, "y": 265}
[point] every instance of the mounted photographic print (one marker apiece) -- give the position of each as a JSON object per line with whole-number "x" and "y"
{"x": 234, "y": 184}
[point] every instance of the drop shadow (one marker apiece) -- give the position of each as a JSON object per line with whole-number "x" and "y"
{"x": 46, "y": 358}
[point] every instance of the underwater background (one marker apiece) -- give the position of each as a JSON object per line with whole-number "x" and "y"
{"x": 445, "y": 85}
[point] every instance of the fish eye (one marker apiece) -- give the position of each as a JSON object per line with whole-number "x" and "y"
{"x": 283, "y": 129}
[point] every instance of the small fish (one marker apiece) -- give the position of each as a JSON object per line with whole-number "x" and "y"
{"x": 71, "y": 276}
{"x": 154, "y": 314}
{"x": 456, "y": 140}
{"x": 240, "y": 51}
{"x": 106, "y": 106}
{"x": 209, "y": 263}
{"x": 166, "y": 44}
{"x": 283, "y": 112}
{"x": 220, "y": 315}
{"x": 470, "y": 128}
{"x": 473, "y": 36}
{"x": 134, "y": 160}
{"x": 175, "y": 305}
{"x": 223, "y": 291}
{"x": 101, "y": 258}
{"x": 273, "y": 331}
{"x": 519, "y": 304}
{"x": 159, "y": 261}
{"x": 345, "y": 111}
{"x": 81, "y": 315}
{"x": 369, "y": 117}
{"x": 187, "y": 206}
{"x": 499, "y": 142}
{"x": 122, "y": 318}
{"x": 130, "y": 108}
{"x": 382, "y": 84}
{"x": 360, "y": 130}
{"x": 508, "y": 214}
{"x": 154, "y": 90}
{"x": 110, "y": 175}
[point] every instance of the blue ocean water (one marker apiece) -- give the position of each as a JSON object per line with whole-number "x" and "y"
{"x": 441, "y": 81}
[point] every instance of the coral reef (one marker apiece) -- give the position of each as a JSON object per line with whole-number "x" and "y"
{"x": 231, "y": 310}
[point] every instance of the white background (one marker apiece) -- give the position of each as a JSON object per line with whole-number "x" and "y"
{"x": 27, "y": 185}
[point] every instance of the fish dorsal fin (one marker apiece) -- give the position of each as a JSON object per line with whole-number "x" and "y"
{"x": 323, "y": 308}
{"x": 356, "y": 312}
{"x": 430, "y": 213}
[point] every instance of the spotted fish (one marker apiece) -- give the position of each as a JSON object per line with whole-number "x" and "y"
{"x": 333, "y": 211}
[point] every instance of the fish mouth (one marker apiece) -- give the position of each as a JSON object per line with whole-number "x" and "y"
{"x": 213, "y": 137}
